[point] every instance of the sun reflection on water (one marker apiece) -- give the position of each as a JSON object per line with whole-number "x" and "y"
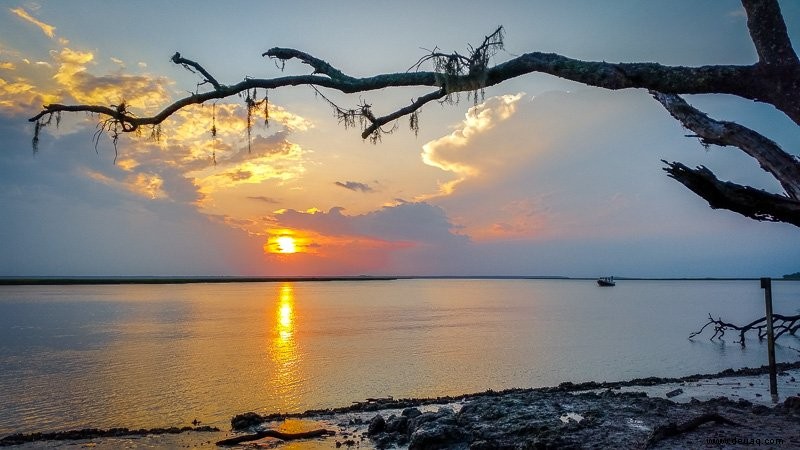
{"x": 285, "y": 352}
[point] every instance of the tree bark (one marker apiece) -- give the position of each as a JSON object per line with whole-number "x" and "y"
{"x": 773, "y": 79}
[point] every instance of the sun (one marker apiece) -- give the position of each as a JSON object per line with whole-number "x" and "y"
{"x": 286, "y": 244}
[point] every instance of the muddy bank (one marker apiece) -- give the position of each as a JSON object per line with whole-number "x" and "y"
{"x": 96, "y": 433}
{"x": 563, "y": 420}
{"x": 249, "y": 419}
{"x": 583, "y": 415}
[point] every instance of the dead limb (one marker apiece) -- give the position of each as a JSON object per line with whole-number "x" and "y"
{"x": 275, "y": 434}
{"x": 773, "y": 79}
{"x": 672, "y": 429}
{"x": 780, "y": 324}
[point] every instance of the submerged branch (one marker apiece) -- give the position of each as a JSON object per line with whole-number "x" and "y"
{"x": 780, "y": 325}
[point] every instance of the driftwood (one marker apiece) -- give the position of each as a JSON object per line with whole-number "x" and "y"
{"x": 672, "y": 429}
{"x": 275, "y": 434}
{"x": 96, "y": 433}
{"x": 780, "y": 324}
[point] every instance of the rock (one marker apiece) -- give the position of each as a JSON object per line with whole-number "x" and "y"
{"x": 376, "y": 425}
{"x": 397, "y": 424}
{"x": 246, "y": 420}
{"x": 446, "y": 414}
{"x": 483, "y": 445}
{"x": 411, "y": 412}
{"x": 792, "y": 403}
{"x": 433, "y": 435}
{"x": 435, "y": 430}
{"x": 674, "y": 393}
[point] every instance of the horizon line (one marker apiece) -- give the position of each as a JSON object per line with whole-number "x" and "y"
{"x": 167, "y": 279}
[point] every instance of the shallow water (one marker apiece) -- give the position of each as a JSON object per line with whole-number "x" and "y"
{"x": 161, "y": 355}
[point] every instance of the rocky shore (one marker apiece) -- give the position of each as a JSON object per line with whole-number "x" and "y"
{"x": 584, "y": 415}
{"x": 734, "y": 414}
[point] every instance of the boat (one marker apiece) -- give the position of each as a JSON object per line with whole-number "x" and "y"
{"x": 606, "y": 281}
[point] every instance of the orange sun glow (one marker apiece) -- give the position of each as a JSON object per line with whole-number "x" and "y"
{"x": 286, "y": 244}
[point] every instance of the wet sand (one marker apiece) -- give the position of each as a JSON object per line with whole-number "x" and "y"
{"x": 633, "y": 414}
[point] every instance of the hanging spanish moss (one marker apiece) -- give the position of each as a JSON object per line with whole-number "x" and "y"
{"x": 155, "y": 133}
{"x": 266, "y": 107}
{"x": 413, "y": 122}
{"x": 214, "y": 133}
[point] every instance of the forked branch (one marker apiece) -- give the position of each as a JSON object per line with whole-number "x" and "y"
{"x": 780, "y": 325}
{"x": 773, "y": 79}
{"x": 780, "y": 164}
{"x": 745, "y": 200}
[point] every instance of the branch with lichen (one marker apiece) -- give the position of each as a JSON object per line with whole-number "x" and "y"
{"x": 454, "y": 74}
{"x": 773, "y": 79}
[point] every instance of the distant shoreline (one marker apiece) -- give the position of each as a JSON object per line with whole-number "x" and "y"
{"x": 48, "y": 281}
{"x": 111, "y": 280}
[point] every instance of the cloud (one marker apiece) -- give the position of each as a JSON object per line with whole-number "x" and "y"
{"x": 412, "y": 222}
{"x": 397, "y": 239}
{"x": 142, "y": 92}
{"x": 20, "y": 95}
{"x": 48, "y": 30}
{"x": 7, "y": 65}
{"x": 275, "y": 145}
{"x": 238, "y": 175}
{"x": 445, "y": 152}
{"x": 519, "y": 218}
{"x": 291, "y": 121}
{"x": 354, "y": 186}
{"x": 262, "y": 198}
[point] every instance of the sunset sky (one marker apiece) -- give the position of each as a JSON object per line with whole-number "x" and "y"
{"x": 543, "y": 177}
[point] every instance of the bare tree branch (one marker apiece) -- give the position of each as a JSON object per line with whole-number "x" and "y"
{"x": 783, "y": 166}
{"x": 378, "y": 122}
{"x": 768, "y": 32}
{"x": 774, "y": 79}
{"x": 188, "y": 63}
{"x": 707, "y": 79}
{"x": 320, "y": 66}
{"x": 745, "y": 200}
{"x": 780, "y": 325}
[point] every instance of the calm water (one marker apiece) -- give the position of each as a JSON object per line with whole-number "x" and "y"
{"x": 158, "y": 355}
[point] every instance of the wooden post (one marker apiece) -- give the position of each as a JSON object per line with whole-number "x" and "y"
{"x": 766, "y": 284}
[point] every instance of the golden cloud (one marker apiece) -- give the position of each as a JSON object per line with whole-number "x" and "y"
{"x": 138, "y": 91}
{"x": 147, "y": 185}
{"x": 20, "y": 95}
{"x": 48, "y": 30}
{"x": 444, "y": 152}
{"x": 291, "y": 121}
{"x": 281, "y": 167}
{"x": 177, "y": 166}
